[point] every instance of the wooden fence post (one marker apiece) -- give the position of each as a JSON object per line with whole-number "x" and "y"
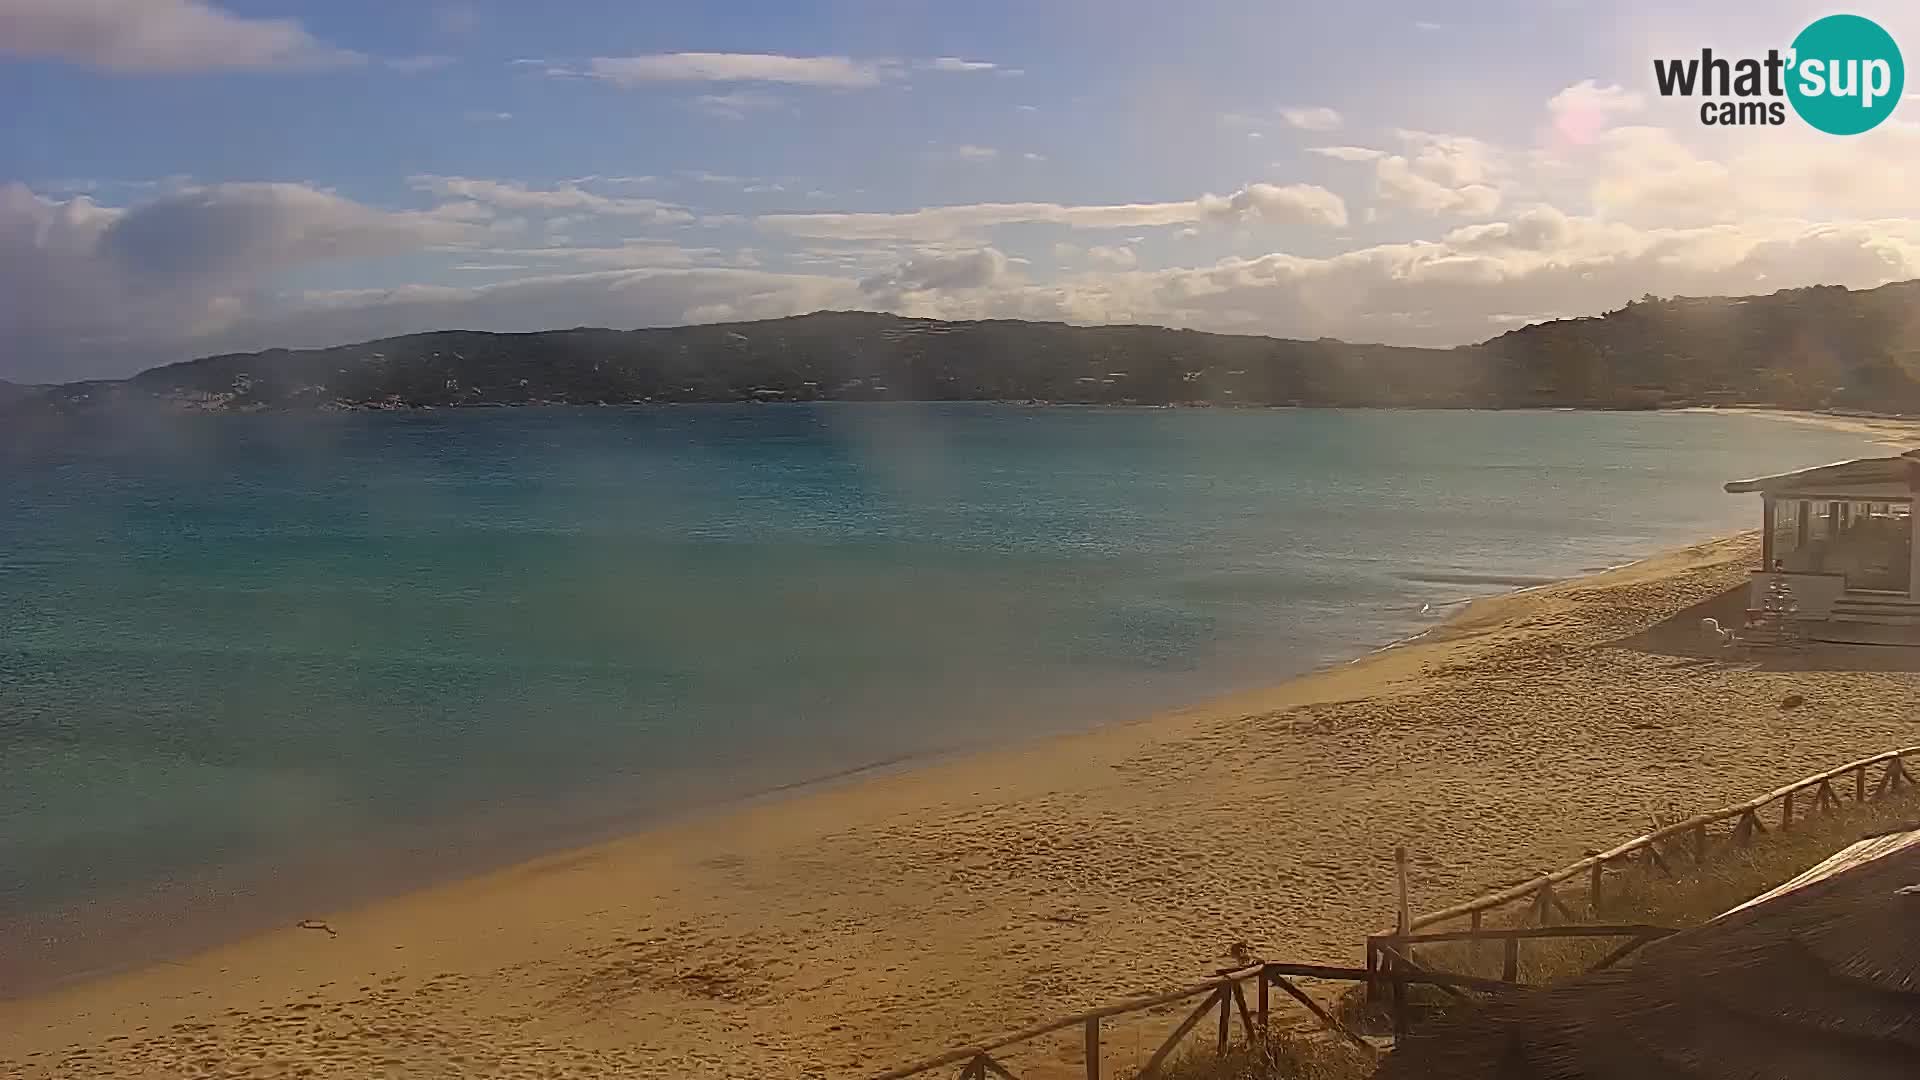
{"x": 1404, "y": 925}
{"x": 1399, "y": 977}
{"x": 1656, "y": 859}
{"x": 1226, "y": 1018}
{"x": 1860, "y": 784}
{"x": 1473, "y": 944}
{"x": 1093, "y": 1048}
{"x": 1264, "y": 985}
{"x": 1510, "y": 972}
{"x": 1786, "y": 812}
{"x": 1327, "y": 1019}
{"x": 1173, "y": 1040}
{"x": 1246, "y": 1014}
{"x": 1593, "y": 887}
{"x": 1700, "y": 843}
{"x": 1545, "y": 903}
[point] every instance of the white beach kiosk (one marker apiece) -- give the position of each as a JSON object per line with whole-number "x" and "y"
{"x": 1841, "y": 536}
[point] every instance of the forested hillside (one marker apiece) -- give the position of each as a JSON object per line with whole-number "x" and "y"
{"x": 1822, "y": 347}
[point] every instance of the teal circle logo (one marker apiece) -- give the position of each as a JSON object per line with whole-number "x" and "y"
{"x": 1846, "y": 75}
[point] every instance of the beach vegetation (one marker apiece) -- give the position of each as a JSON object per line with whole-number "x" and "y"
{"x": 1694, "y": 894}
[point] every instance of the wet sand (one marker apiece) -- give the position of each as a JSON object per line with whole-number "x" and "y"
{"x": 841, "y": 931}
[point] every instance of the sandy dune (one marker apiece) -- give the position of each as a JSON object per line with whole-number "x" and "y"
{"x": 841, "y": 931}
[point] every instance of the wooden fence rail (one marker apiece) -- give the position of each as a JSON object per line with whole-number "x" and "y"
{"x": 1389, "y": 955}
{"x": 1545, "y": 902}
{"x": 1224, "y": 993}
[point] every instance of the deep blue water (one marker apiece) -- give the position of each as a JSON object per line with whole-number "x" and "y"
{"x": 234, "y": 646}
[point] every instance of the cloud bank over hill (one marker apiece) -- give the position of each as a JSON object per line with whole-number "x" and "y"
{"x": 1589, "y": 197}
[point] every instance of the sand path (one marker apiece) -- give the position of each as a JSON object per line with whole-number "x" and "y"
{"x": 837, "y": 932}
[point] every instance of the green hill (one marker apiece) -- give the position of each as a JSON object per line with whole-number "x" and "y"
{"x": 1822, "y": 347}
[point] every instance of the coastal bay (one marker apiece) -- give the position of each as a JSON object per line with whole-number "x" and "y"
{"x": 846, "y": 929}
{"x": 1068, "y": 857}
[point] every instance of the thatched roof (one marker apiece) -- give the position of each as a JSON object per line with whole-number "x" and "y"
{"x": 1819, "y": 979}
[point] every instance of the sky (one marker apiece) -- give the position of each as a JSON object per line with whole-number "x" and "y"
{"x": 187, "y": 177}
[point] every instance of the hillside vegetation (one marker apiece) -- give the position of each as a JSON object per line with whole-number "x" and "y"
{"x": 1822, "y": 347}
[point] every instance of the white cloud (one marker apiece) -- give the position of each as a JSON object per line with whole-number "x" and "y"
{"x": 969, "y": 152}
{"x": 1036, "y": 108}
{"x": 1442, "y": 174}
{"x": 1397, "y": 181}
{"x": 631, "y": 255}
{"x": 1425, "y": 25}
{"x": 736, "y": 104}
{"x": 1348, "y": 153}
{"x": 940, "y": 271}
{"x": 1453, "y": 160}
{"x": 1311, "y": 117}
{"x": 1301, "y": 203}
{"x": 159, "y": 36}
{"x": 481, "y": 116}
{"x": 1462, "y": 288}
{"x": 616, "y": 298}
{"x": 188, "y": 273}
{"x": 414, "y": 64}
{"x": 1031, "y": 156}
{"x": 956, "y": 64}
{"x": 1648, "y": 175}
{"x": 509, "y": 195}
{"x": 81, "y": 278}
{"x": 1581, "y": 111}
{"x": 740, "y": 67}
{"x": 1294, "y": 203}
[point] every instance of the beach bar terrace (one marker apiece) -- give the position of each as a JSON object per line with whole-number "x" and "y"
{"x": 1841, "y": 537}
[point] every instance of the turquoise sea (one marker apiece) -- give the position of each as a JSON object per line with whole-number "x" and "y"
{"x": 257, "y": 666}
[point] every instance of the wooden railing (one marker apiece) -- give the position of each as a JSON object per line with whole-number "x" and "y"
{"x": 1223, "y": 993}
{"x": 1543, "y": 902}
{"x": 1390, "y": 959}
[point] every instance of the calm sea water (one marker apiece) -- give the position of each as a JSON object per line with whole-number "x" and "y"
{"x": 249, "y": 658}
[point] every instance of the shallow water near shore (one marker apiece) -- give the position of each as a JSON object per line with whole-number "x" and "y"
{"x": 345, "y": 653}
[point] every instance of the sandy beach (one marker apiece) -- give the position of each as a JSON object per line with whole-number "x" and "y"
{"x": 1887, "y": 431}
{"x": 840, "y": 931}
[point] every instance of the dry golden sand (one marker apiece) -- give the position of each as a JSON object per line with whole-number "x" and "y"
{"x": 844, "y": 930}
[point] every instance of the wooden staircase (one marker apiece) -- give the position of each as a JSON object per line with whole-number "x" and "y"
{"x": 1869, "y": 618}
{"x": 1882, "y": 609}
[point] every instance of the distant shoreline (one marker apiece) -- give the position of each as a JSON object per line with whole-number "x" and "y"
{"x": 1887, "y": 426}
{"x": 1889, "y": 429}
